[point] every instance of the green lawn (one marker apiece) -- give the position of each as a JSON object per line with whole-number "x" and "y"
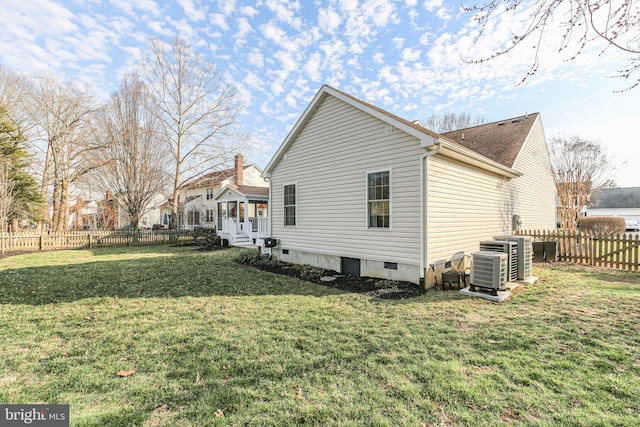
{"x": 213, "y": 342}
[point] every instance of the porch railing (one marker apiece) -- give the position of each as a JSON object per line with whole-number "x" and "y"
{"x": 255, "y": 227}
{"x": 264, "y": 227}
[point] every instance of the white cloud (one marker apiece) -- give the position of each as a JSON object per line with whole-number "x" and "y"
{"x": 249, "y": 11}
{"x": 328, "y": 20}
{"x": 187, "y": 30}
{"x": 219, "y": 20}
{"x": 253, "y": 81}
{"x": 398, "y": 42}
{"x": 244, "y": 29}
{"x": 227, "y": 6}
{"x": 191, "y": 10}
{"x": 313, "y": 67}
{"x": 431, "y": 5}
{"x": 285, "y": 11}
{"x": 410, "y": 55}
{"x": 256, "y": 58}
{"x": 159, "y": 27}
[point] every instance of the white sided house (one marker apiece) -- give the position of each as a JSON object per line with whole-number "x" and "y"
{"x": 362, "y": 191}
{"x": 223, "y": 199}
{"x": 622, "y": 202}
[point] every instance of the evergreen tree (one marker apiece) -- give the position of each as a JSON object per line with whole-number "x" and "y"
{"x": 20, "y": 197}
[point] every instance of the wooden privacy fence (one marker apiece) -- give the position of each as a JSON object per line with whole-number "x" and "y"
{"x": 601, "y": 250}
{"x": 23, "y": 242}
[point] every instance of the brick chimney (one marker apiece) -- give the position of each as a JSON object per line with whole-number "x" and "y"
{"x": 239, "y": 169}
{"x": 79, "y": 206}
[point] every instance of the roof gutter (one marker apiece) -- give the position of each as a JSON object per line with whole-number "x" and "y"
{"x": 423, "y": 220}
{"x": 472, "y": 158}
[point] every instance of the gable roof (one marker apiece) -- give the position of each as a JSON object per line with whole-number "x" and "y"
{"x": 428, "y": 139}
{"x": 244, "y": 191}
{"x": 214, "y": 178}
{"x": 625, "y": 198}
{"x": 499, "y": 141}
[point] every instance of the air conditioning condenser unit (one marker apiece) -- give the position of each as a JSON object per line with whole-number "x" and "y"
{"x": 509, "y": 248}
{"x": 525, "y": 254}
{"x": 489, "y": 271}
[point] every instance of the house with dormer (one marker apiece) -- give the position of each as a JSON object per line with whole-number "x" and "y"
{"x": 200, "y": 205}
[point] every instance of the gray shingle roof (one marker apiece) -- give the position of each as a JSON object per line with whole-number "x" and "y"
{"x": 608, "y": 198}
{"x": 499, "y": 141}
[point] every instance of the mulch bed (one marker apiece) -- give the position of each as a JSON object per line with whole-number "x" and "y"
{"x": 370, "y": 286}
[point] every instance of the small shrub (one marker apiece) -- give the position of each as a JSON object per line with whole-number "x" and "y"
{"x": 602, "y": 224}
{"x": 250, "y": 257}
{"x": 206, "y": 237}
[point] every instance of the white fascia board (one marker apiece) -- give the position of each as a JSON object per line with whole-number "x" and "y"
{"x": 472, "y": 158}
{"x": 225, "y": 188}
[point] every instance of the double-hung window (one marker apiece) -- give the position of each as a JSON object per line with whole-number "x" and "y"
{"x": 210, "y": 193}
{"x": 290, "y": 201}
{"x": 378, "y": 199}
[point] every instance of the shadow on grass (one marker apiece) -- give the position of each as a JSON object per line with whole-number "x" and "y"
{"x": 183, "y": 274}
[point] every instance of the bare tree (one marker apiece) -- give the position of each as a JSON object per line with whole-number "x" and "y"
{"x": 580, "y": 167}
{"x": 451, "y": 121}
{"x": 616, "y": 22}
{"x": 11, "y": 97}
{"x": 196, "y": 110}
{"x": 63, "y": 118}
{"x": 135, "y": 157}
{"x": 7, "y": 185}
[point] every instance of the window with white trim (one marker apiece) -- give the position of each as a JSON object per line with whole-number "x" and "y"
{"x": 210, "y": 193}
{"x": 290, "y": 202}
{"x": 378, "y": 199}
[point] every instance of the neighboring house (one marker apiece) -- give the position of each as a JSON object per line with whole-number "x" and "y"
{"x": 204, "y": 203}
{"x": 362, "y": 191}
{"x": 623, "y": 202}
{"x": 106, "y": 214}
{"x": 84, "y": 215}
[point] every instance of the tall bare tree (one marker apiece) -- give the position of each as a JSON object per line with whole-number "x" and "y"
{"x": 451, "y": 121}
{"x": 135, "y": 157}
{"x": 580, "y": 167}
{"x": 63, "y": 118}
{"x": 196, "y": 110}
{"x": 616, "y": 22}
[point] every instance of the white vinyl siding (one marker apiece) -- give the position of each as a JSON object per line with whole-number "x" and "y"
{"x": 328, "y": 159}
{"x": 536, "y": 188}
{"x": 464, "y": 205}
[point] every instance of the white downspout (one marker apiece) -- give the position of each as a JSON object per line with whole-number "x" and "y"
{"x": 423, "y": 240}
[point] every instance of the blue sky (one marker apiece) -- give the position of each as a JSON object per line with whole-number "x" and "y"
{"x": 403, "y": 56}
